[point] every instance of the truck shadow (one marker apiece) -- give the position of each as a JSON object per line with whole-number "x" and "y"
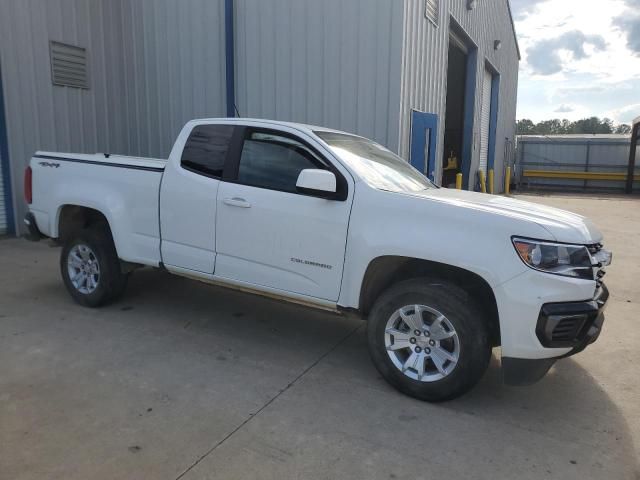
{"x": 568, "y": 406}
{"x": 237, "y": 348}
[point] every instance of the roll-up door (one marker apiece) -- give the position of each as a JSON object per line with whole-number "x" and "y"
{"x": 485, "y": 120}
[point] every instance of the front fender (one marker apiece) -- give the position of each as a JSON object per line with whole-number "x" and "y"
{"x": 391, "y": 224}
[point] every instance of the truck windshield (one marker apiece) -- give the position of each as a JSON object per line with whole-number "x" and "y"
{"x": 379, "y": 167}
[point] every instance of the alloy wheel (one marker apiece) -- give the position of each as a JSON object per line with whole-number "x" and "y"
{"x": 422, "y": 343}
{"x": 83, "y": 269}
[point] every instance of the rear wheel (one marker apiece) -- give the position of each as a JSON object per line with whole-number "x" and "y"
{"x": 90, "y": 267}
{"x": 428, "y": 339}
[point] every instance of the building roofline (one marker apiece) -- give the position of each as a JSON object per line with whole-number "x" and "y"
{"x": 513, "y": 28}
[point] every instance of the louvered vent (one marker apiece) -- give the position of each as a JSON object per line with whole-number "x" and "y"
{"x": 431, "y": 10}
{"x": 68, "y": 65}
{"x": 568, "y": 328}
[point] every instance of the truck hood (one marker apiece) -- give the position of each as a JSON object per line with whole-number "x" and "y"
{"x": 562, "y": 226}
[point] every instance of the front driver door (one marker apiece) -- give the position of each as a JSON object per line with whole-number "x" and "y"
{"x": 270, "y": 235}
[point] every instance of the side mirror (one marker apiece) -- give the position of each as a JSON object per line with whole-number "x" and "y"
{"x": 317, "y": 182}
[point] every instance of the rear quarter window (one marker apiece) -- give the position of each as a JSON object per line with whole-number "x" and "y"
{"x": 206, "y": 149}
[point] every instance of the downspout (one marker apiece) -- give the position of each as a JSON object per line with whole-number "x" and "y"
{"x": 229, "y": 57}
{"x": 12, "y": 227}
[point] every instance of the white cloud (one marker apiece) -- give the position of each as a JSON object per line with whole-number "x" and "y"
{"x": 625, "y": 114}
{"x": 521, "y": 8}
{"x": 564, "y": 108}
{"x": 577, "y": 53}
{"x": 629, "y": 24}
{"x": 548, "y": 56}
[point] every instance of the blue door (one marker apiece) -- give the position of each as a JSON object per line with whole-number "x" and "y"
{"x": 424, "y": 138}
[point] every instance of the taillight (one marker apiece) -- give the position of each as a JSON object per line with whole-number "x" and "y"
{"x": 28, "y": 190}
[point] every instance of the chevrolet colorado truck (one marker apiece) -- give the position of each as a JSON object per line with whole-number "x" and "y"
{"x": 337, "y": 222}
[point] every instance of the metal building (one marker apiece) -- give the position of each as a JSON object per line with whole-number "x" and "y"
{"x": 434, "y": 80}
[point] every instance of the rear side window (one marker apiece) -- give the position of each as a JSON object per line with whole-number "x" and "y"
{"x": 274, "y": 162}
{"x": 206, "y": 149}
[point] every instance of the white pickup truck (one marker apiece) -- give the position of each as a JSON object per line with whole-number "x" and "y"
{"x": 334, "y": 221}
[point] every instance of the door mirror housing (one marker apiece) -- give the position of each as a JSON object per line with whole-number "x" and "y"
{"x": 321, "y": 183}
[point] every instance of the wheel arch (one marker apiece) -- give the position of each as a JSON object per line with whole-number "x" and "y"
{"x": 382, "y": 272}
{"x": 71, "y": 218}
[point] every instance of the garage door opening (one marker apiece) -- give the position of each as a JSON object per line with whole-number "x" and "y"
{"x": 454, "y": 115}
{"x": 459, "y": 113}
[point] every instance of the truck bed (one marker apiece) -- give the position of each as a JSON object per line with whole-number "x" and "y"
{"x": 124, "y": 189}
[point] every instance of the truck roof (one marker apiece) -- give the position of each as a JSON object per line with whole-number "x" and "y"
{"x": 244, "y": 121}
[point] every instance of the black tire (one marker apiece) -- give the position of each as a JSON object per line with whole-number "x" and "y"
{"x": 465, "y": 317}
{"x": 112, "y": 282}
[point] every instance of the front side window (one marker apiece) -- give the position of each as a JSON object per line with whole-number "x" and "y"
{"x": 274, "y": 162}
{"x": 379, "y": 167}
{"x": 206, "y": 149}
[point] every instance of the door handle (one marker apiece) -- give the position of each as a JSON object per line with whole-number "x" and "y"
{"x": 237, "y": 202}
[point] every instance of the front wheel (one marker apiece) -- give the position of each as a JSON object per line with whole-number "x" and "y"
{"x": 428, "y": 339}
{"x": 90, "y": 268}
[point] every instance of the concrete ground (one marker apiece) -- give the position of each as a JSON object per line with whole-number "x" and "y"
{"x": 184, "y": 380}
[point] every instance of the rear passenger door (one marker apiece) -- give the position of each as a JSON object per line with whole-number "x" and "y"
{"x": 188, "y": 198}
{"x": 269, "y": 234}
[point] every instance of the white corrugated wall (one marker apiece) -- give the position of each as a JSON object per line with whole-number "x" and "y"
{"x": 424, "y": 71}
{"x": 152, "y": 65}
{"x": 424, "y": 77}
{"x": 333, "y": 63}
{"x": 356, "y": 65}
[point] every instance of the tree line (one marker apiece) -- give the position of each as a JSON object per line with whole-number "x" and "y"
{"x": 556, "y": 126}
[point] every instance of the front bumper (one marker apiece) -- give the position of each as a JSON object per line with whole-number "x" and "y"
{"x": 572, "y": 325}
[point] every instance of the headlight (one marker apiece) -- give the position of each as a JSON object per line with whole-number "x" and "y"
{"x": 558, "y": 258}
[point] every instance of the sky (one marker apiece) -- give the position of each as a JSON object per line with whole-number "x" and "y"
{"x": 580, "y": 58}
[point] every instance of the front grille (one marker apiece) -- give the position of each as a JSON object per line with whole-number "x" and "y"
{"x": 571, "y": 324}
{"x": 568, "y": 328}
